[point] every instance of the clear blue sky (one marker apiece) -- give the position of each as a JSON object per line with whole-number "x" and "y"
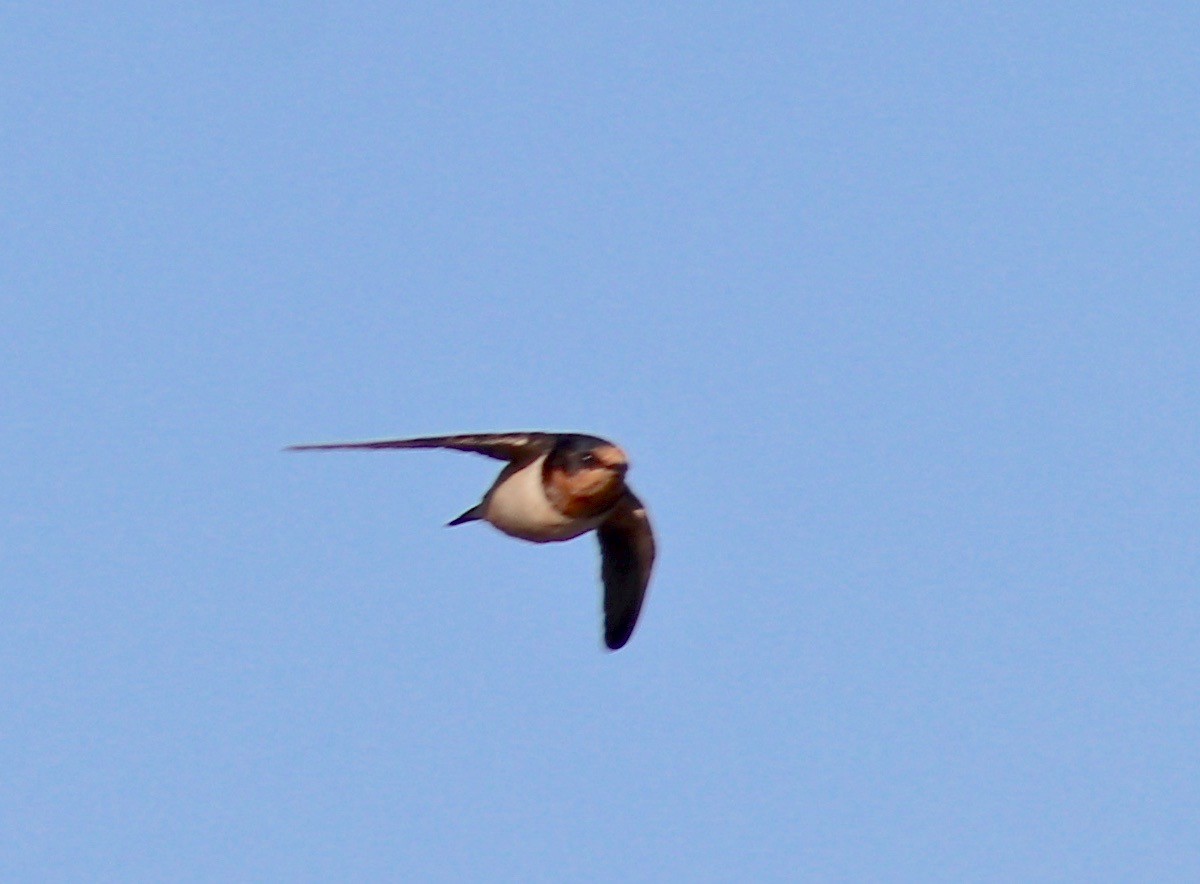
{"x": 895, "y": 309}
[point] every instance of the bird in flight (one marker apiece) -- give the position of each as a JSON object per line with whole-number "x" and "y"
{"x": 557, "y": 486}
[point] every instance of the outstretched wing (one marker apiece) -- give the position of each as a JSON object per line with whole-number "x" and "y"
{"x": 627, "y": 556}
{"x": 502, "y": 446}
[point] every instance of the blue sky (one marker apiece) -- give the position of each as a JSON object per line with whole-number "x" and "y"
{"x": 895, "y": 311}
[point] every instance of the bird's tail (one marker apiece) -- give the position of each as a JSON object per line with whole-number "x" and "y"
{"x": 474, "y": 514}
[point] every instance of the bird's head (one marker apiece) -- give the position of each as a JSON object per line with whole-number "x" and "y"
{"x": 585, "y": 474}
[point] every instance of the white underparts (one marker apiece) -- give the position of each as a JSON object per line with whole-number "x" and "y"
{"x": 518, "y": 506}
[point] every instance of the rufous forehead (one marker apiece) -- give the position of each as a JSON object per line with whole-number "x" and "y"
{"x": 610, "y": 455}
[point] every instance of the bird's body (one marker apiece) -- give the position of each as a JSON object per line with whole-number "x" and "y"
{"x": 557, "y": 486}
{"x": 519, "y": 506}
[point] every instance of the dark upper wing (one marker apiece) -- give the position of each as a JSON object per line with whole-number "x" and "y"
{"x": 627, "y": 555}
{"x": 502, "y": 446}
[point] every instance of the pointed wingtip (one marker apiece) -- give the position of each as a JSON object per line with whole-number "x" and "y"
{"x": 321, "y": 446}
{"x": 617, "y": 638}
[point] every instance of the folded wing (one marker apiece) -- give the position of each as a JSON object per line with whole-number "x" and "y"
{"x": 627, "y": 556}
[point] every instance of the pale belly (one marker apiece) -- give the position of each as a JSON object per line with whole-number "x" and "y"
{"x": 518, "y": 507}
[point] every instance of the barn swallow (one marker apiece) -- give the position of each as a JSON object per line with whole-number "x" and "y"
{"x": 557, "y": 486}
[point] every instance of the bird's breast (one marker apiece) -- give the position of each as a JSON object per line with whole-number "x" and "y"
{"x": 518, "y": 506}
